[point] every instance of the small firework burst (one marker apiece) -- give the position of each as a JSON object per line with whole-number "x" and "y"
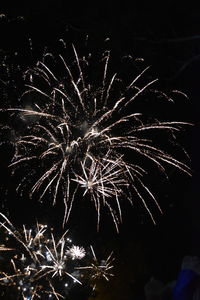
{"x": 38, "y": 263}
{"x": 81, "y": 133}
{"x": 99, "y": 269}
{"x": 76, "y": 252}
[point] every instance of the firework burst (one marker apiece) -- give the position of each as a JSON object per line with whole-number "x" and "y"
{"x": 99, "y": 270}
{"x": 38, "y": 264}
{"x": 81, "y": 134}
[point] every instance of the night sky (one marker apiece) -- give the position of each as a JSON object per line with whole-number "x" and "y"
{"x": 167, "y": 36}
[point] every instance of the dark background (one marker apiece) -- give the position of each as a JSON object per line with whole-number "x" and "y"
{"x": 167, "y": 36}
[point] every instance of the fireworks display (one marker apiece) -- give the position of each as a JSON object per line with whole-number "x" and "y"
{"x": 81, "y": 135}
{"x": 38, "y": 263}
{"x": 95, "y": 144}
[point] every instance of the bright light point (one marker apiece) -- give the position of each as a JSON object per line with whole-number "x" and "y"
{"x": 60, "y": 266}
{"x": 90, "y": 184}
{"x": 23, "y": 258}
{"x": 48, "y": 256}
{"x": 68, "y": 149}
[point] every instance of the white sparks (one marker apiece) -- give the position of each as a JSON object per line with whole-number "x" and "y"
{"x": 76, "y": 252}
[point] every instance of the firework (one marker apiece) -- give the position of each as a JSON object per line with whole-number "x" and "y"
{"x": 76, "y": 252}
{"x": 38, "y": 263}
{"x": 99, "y": 270}
{"x": 82, "y": 135}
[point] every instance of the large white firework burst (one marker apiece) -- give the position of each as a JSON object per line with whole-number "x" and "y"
{"x": 81, "y": 133}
